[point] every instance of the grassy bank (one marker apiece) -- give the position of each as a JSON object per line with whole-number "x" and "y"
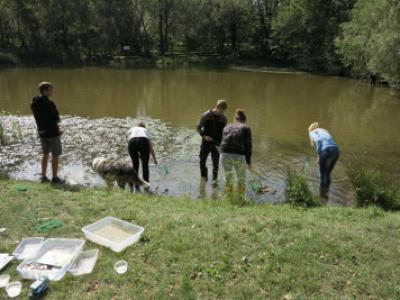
{"x": 203, "y": 250}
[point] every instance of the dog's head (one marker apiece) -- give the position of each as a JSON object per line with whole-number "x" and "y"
{"x": 97, "y": 163}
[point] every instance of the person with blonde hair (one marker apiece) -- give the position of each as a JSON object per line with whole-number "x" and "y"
{"x": 328, "y": 155}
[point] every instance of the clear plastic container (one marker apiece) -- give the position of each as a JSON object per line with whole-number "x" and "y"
{"x": 13, "y": 289}
{"x": 121, "y": 266}
{"x": 113, "y": 233}
{"x": 53, "y": 259}
{"x": 84, "y": 262}
{"x": 28, "y": 248}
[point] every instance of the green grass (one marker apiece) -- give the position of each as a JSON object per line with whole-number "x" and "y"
{"x": 213, "y": 250}
{"x": 374, "y": 188}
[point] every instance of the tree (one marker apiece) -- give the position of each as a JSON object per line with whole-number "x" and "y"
{"x": 305, "y": 31}
{"x": 370, "y": 41}
{"x": 264, "y": 13}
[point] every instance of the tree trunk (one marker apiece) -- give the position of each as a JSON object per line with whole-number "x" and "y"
{"x": 233, "y": 35}
{"x": 161, "y": 32}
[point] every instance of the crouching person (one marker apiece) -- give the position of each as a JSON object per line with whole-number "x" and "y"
{"x": 328, "y": 155}
{"x": 47, "y": 120}
{"x": 141, "y": 147}
{"x": 236, "y": 149}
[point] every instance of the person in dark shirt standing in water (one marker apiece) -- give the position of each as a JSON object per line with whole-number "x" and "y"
{"x": 47, "y": 121}
{"x": 210, "y": 127}
{"x": 236, "y": 149}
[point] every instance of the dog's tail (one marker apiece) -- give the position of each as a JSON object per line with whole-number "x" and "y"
{"x": 146, "y": 185}
{"x": 139, "y": 180}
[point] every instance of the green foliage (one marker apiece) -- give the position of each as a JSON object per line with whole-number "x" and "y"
{"x": 305, "y": 30}
{"x": 237, "y": 199}
{"x": 317, "y": 35}
{"x": 58, "y": 31}
{"x": 298, "y": 190}
{"x": 373, "y": 188}
{"x": 370, "y": 40}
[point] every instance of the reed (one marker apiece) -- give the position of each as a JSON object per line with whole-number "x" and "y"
{"x": 2, "y": 135}
{"x": 17, "y": 132}
{"x": 298, "y": 191}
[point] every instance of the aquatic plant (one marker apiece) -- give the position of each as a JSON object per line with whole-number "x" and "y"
{"x": 236, "y": 198}
{"x": 16, "y": 129}
{"x": 298, "y": 190}
{"x": 255, "y": 184}
{"x": 164, "y": 170}
{"x": 2, "y": 137}
{"x": 374, "y": 188}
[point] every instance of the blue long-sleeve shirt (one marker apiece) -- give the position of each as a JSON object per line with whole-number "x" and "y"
{"x": 322, "y": 139}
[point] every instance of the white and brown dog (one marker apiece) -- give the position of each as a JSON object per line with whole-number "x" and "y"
{"x": 118, "y": 171}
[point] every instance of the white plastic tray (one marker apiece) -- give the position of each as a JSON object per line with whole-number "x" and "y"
{"x": 56, "y": 252}
{"x": 28, "y": 248}
{"x": 84, "y": 262}
{"x": 113, "y": 233}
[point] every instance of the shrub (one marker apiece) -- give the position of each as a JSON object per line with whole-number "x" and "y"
{"x": 298, "y": 190}
{"x": 373, "y": 188}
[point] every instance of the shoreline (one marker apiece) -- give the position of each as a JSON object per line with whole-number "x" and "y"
{"x": 195, "y": 61}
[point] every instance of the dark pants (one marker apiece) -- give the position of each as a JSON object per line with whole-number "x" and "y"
{"x": 205, "y": 149}
{"x": 327, "y": 161}
{"x": 140, "y": 147}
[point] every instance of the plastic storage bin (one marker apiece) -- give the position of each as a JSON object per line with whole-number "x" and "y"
{"x": 28, "y": 248}
{"x": 84, "y": 262}
{"x": 55, "y": 256}
{"x": 113, "y": 233}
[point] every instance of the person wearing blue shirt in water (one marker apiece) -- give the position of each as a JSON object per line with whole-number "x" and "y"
{"x": 328, "y": 155}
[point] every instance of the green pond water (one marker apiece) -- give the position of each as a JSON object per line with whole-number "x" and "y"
{"x": 364, "y": 120}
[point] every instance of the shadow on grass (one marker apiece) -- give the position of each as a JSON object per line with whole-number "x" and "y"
{"x": 67, "y": 187}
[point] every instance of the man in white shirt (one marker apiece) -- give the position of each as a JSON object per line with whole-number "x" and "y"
{"x": 141, "y": 146}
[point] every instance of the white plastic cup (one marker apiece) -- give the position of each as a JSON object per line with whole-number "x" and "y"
{"x": 13, "y": 289}
{"x": 121, "y": 266}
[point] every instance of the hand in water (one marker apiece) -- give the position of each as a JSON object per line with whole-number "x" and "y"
{"x": 207, "y": 138}
{"x": 155, "y": 161}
